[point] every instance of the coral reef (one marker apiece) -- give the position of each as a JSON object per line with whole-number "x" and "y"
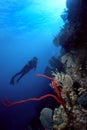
{"x": 46, "y": 118}
{"x": 82, "y": 100}
{"x": 60, "y": 118}
{"x": 65, "y": 36}
{"x": 62, "y": 79}
{"x": 73, "y": 35}
{"x": 72, "y": 115}
{"x": 75, "y": 63}
{"x": 75, "y": 67}
{"x": 68, "y": 73}
{"x": 54, "y": 63}
{"x": 73, "y": 39}
{"x": 6, "y": 103}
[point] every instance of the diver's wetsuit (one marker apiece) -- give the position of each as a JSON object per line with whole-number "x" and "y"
{"x": 31, "y": 65}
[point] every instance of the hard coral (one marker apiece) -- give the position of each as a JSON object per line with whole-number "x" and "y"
{"x": 46, "y": 118}
{"x": 71, "y": 108}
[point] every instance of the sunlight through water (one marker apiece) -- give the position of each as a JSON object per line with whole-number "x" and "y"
{"x": 24, "y": 16}
{"x": 27, "y": 30}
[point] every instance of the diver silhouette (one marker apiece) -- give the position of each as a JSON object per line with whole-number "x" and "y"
{"x": 32, "y": 64}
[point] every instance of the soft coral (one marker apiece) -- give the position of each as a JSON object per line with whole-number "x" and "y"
{"x": 6, "y": 103}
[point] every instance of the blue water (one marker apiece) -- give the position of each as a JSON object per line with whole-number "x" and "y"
{"x": 27, "y": 29}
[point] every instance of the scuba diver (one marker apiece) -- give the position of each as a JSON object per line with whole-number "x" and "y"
{"x": 32, "y": 64}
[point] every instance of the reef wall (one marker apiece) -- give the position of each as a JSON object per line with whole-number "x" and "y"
{"x": 73, "y": 40}
{"x": 73, "y": 35}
